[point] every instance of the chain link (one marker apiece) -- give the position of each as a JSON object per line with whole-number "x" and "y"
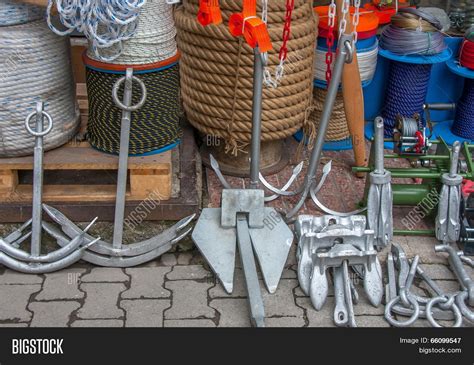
{"x": 330, "y": 40}
{"x": 355, "y": 20}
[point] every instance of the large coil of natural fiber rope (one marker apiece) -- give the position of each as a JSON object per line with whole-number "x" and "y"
{"x": 35, "y": 65}
{"x": 337, "y": 129}
{"x": 14, "y": 13}
{"x": 217, "y": 72}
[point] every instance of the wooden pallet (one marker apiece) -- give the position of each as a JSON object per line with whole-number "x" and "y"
{"x": 78, "y": 161}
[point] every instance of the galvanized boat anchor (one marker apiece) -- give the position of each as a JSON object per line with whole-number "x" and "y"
{"x": 243, "y": 220}
{"x": 35, "y": 262}
{"x": 116, "y": 254}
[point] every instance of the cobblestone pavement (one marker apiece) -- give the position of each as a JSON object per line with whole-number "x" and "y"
{"x": 178, "y": 290}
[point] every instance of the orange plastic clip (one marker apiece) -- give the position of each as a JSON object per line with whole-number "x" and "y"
{"x": 251, "y": 27}
{"x": 209, "y": 12}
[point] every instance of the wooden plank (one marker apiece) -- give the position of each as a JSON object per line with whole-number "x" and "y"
{"x": 80, "y": 156}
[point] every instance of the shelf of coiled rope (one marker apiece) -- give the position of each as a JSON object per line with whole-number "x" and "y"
{"x": 413, "y": 42}
{"x": 216, "y": 82}
{"x": 35, "y": 66}
{"x": 153, "y": 55}
{"x": 338, "y": 136}
{"x": 462, "y": 127}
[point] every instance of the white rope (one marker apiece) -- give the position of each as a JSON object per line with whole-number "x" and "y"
{"x": 154, "y": 39}
{"x": 35, "y": 66}
{"x": 106, "y": 23}
{"x": 14, "y": 13}
{"x": 367, "y": 63}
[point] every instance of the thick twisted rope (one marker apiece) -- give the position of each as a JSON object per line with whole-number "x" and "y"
{"x": 217, "y": 73}
{"x": 153, "y": 41}
{"x": 35, "y": 66}
{"x": 14, "y": 13}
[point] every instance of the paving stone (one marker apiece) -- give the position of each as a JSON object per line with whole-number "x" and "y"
{"x": 105, "y": 275}
{"x": 101, "y": 300}
{"x": 447, "y": 286}
{"x": 147, "y": 283}
{"x": 292, "y": 255}
{"x": 285, "y": 322}
{"x": 98, "y": 323}
{"x": 168, "y": 259}
{"x": 62, "y": 285}
{"x": 200, "y": 323}
{"x": 189, "y": 300}
{"x": 288, "y": 273}
{"x": 190, "y": 272}
{"x": 239, "y": 291}
{"x": 185, "y": 258}
{"x": 439, "y": 272}
{"x": 12, "y": 325}
{"x": 424, "y": 247}
{"x": 323, "y": 318}
{"x": 299, "y": 292}
{"x": 144, "y": 312}
{"x": 233, "y": 312}
{"x": 52, "y": 314}
{"x": 365, "y": 308}
{"x": 282, "y": 302}
{"x": 13, "y": 301}
{"x": 13, "y": 277}
{"x": 371, "y": 321}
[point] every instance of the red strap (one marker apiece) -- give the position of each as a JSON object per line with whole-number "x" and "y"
{"x": 209, "y": 12}
{"x": 467, "y": 187}
{"x": 420, "y": 143}
{"x": 251, "y": 27}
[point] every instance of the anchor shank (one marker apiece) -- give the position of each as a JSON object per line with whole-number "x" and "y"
{"x": 257, "y": 311}
{"x": 37, "y": 184}
{"x": 123, "y": 163}
{"x": 324, "y": 122}
{"x": 256, "y": 119}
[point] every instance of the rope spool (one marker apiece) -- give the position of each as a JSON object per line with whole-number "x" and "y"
{"x": 337, "y": 130}
{"x": 35, "y": 66}
{"x": 217, "y": 71}
{"x": 15, "y": 13}
{"x": 463, "y": 125}
{"x": 153, "y": 40}
{"x": 154, "y": 127}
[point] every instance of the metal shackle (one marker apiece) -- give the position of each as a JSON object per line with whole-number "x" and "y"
{"x": 117, "y": 86}
{"x": 36, "y": 133}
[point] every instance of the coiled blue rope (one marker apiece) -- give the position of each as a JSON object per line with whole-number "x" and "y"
{"x": 463, "y": 125}
{"x": 406, "y": 92}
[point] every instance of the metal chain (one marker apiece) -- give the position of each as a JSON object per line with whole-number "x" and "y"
{"x": 330, "y": 40}
{"x": 355, "y": 20}
{"x": 283, "y": 55}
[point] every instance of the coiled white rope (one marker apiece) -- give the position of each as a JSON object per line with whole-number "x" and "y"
{"x": 367, "y": 63}
{"x": 106, "y": 23}
{"x": 35, "y": 66}
{"x": 153, "y": 41}
{"x": 14, "y": 13}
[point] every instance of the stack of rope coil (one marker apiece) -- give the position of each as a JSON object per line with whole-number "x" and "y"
{"x": 152, "y": 53}
{"x": 412, "y": 33}
{"x": 36, "y": 66}
{"x": 217, "y": 73}
{"x": 13, "y": 13}
{"x": 463, "y": 125}
{"x": 153, "y": 40}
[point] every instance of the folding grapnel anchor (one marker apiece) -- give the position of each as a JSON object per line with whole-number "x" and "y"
{"x": 244, "y": 220}
{"x": 380, "y": 197}
{"x": 34, "y": 262}
{"x": 448, "y": 222}
{"x": 337, "y": 243}
{"x": 117, "y": 254}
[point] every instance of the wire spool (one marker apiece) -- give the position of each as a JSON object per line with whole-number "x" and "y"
{"x": 337, "y": 130}
{"x": 411, "y": 41}
{"x": 463, "y": 125}
{"x": 217, "y": 73}
{"x": 154, "y": 127}
{"x": 36, "y": 66}
{"x": 153, "y": 40}
{"x": 15, "y": 13}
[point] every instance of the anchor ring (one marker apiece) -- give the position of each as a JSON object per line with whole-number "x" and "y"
{"x": 119, "y": 103}
{"x": 461, "y": 303}
{"x": 35, "y": 133}
{"x": 390, "y": 319}
{"x": 440, "y": 300}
